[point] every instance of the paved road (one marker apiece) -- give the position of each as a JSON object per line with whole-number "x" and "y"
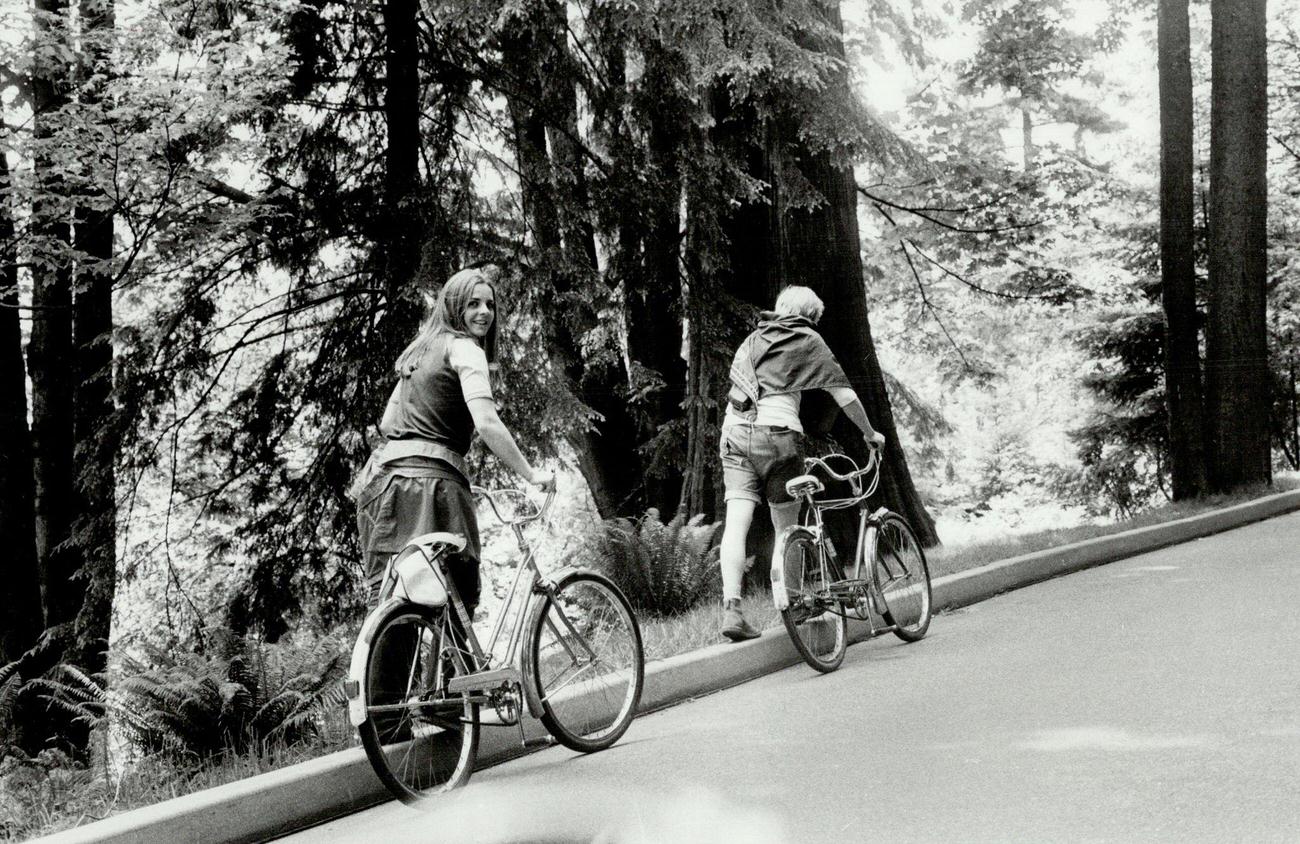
{"x": 1155, "y": 699}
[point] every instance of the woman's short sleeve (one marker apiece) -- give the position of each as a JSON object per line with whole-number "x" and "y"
{"x": 470, "y": 363}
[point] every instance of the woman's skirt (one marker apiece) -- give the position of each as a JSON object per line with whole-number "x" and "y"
{"x": 411, "y": 497}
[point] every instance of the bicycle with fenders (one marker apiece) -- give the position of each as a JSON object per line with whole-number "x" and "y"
{"x": 885, "y": 582}
{"x": 565, "y": 648}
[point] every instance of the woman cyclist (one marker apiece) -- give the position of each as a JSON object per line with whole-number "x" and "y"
{"x": 417, "y": 481}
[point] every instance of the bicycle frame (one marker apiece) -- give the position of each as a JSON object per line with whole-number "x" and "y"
{"x": 485, "y": 685}
{"x": 852, "y": 581}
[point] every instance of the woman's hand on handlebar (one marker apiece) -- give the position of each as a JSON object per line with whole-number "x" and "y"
{"x": 876, "y": 440}
{"x": 543, "y": 479}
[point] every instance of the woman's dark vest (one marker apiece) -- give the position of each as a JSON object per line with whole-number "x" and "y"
{"x": 431, "y": 405}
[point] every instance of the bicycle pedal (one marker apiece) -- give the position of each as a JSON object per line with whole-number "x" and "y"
{"x": 541, "y": 741}
{"x": 482, "y": 681}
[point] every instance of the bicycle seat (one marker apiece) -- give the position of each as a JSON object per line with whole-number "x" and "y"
{"x": 426, "y": 541}
{"x": 804, "y": 485}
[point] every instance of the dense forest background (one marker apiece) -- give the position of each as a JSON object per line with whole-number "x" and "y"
{"x": 1057, "y": 242}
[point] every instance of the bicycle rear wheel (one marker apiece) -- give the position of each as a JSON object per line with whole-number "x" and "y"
{"x": 419, "y": 739}
{"x": 901, "y": 574}
{"x": 586, "y": 662}
{"x": 813, "y": 619}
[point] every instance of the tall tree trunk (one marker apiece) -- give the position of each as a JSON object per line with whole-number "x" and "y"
{"x": 50, "y": 351}
{"x": 51, "y": 369}
{"x": 94, "y": 428}
{"x": 822, "y": 250}
{"x": 606, "y": 448}
{"x": 400, "y": 233}
{"x": 1237, "y": 376}
{"x": 1184, "y": 403}
{"x": 20, "y": 591}
{"x": 710, "y": 340}
{"x": 654, "y": 292}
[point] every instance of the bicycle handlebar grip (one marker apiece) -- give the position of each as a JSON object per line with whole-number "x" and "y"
{"x": 546, "y": 505}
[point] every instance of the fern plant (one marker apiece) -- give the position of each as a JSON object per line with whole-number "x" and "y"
{"x": 664, "y": 569}
{"x": 10, "y": 684}
{"x": 192, "y": 708}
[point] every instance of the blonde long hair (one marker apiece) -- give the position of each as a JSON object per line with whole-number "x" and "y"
{"x": 446, "y": 315}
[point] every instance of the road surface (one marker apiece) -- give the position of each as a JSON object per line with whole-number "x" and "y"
{"x": 1154, "y": 699}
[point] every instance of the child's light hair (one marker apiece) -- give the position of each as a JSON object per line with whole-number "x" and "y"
{"x": 800, "y": 301}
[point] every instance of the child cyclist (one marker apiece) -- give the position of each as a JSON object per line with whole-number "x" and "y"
{"x": 760, "y": 444}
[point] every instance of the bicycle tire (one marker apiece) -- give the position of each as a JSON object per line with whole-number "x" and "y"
{"x": 418, "y": 749}
{"x": 815, "y": 622}
{"x": 902, "y": 578}
{"x": 586, "y": 710}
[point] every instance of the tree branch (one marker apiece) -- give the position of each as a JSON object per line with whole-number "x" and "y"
{"x": 926, "y": 213}
{"x": 220, "y": 188}
{"x": 934, "y": 312}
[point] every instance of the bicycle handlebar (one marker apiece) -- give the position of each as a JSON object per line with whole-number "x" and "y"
{"x": 491, "y": 496}
{"x": 873, "y": 460}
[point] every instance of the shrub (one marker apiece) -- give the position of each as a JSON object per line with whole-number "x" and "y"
{"x": 664, "y": 569}
{"x": 194, "y": 707}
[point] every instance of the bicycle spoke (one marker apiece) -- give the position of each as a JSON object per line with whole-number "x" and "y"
{"x": 812, "y": 618}
{"x": 418, "y": 739}
{"x": 902, "y": 578}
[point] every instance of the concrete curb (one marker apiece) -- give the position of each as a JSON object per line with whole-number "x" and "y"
{"x": 265, "y": 806}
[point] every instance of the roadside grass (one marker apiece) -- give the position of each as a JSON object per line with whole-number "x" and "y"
{"x": 698, "y": 628}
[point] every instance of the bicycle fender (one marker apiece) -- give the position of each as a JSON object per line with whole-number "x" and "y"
{"x": 355, "y": 687}
{"x": 532, "y": 695}
{"x": 780, "y": 599}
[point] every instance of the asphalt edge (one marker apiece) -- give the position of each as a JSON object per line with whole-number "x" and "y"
{"x": 278, "y": 802}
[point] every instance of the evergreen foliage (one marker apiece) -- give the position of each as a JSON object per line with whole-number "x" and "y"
{"x": 663, "y": 569}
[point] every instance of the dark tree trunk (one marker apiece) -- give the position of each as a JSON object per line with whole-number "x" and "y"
{"x": 51, "y": 369}
{"x": 606, "y": 450}
{"x": 654, "y": 292}
{"x": 709, "y": 340}
{"x": 94, "y": 427}
{"x": 49, "y": 355}
{"x": 1184, "y": 403}
{"x": 400, "y": 233}
{"x": 20, "y": 591}
{"x": 1237, "y": 376}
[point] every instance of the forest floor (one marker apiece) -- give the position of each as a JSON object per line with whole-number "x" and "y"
{"x": 62, "y": 797}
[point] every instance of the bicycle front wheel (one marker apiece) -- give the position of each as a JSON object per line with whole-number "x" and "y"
{"x": 587, "y": 664}
{"x": 813, "y": 619}
{"x": 903, "y": 578}
{"x": 420, "y": 740}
